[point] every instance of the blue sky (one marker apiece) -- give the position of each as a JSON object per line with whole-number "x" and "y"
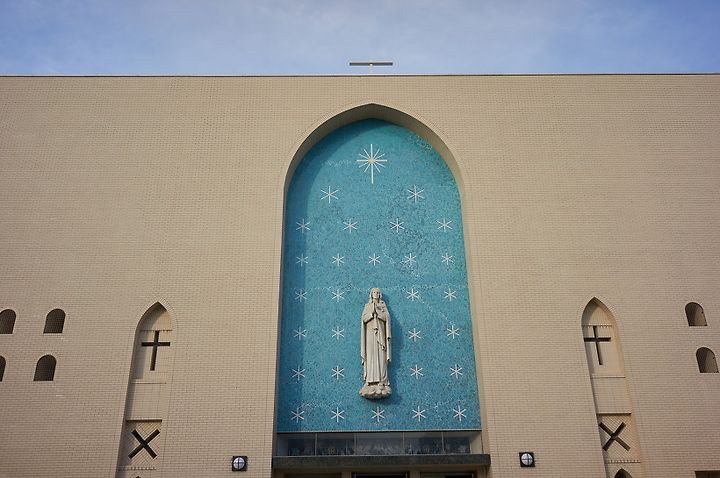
{"x": 243, "y": 37}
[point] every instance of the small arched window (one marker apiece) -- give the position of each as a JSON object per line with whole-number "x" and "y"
{"x": 706, "y": 360}
{"x": 695, "y": 315}
{"x": 45, "y": 369}
{"x": 622, "y": 474}
{"x": 7, "y": 321}
{"x": 2, "y": 367}
{"x": 54, "y": 322}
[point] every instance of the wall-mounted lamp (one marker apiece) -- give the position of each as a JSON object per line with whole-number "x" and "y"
{"x": 527, "y": 459}
{"x": 239, "y": 463}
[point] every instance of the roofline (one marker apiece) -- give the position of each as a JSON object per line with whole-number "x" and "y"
{"x": 356, "y": 75}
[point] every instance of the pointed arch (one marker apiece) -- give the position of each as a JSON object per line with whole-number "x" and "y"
{"x": 319, "y": 232}
{"x": 622, "y": 474}
{"x": 602, "y": 341}
{"x": 153, "y": 335}
{"x": 374, "y": 110}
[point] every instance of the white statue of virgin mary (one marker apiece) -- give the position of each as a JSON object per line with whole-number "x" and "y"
{"x": 375, "y": 347}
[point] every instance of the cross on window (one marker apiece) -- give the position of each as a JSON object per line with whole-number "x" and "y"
{"x": 144, "y": 443}
{"x": 614, "y": 436}
{"x": 597, "y": 341}
{"x": 155, "y": 344}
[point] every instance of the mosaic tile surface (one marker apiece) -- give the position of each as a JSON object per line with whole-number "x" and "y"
{"x": 374, "y": 205}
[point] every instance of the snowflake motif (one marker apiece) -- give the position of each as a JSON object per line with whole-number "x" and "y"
{"x": 374, "y": 259}
{"x": 329, "y": 194}
{"x": 297, "y": 415}
{"x": 447, "y": 259}
{"x": 419, "y": 414}
{"x": 453, "y": 331}
{"x": 409, "y": 260}
{"x": 416, "y": 372}
{"x": 415, "y": 194}
{"x": 413, "y": 294}
{"x": 338, "y": 259}
{"x": 378, "y": 414}
{"x": 338, "y": 415}
{"x": 337, "y": 295}
{"x": 298, "y": 374}
{"x": 300, "y": 333}
{"x": 371, "y": 161}
{"x": 456, "y": 371}
{"x": 459, "y": 414}
{"x": 337, "y": 332}
{"x": 303, "y": 226}
{"x": 450, "y": 294}
{"x": 414, "y": 335}
{"x": 350, "y": 225}
{"x": 301, "y": 295}
{"x": 338, "y": 372}
{"x": 444, "y": 225}
{"x": 301, "y": 259}
{"x": 397, "y": 225}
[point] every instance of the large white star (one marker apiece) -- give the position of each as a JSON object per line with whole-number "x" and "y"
{"x": 419, "y": 414}
{"x": 374, "y": 259}
{"x": 338, "y": 259}
{"x": 413, "y": 295}
{"x": 300, "y": 333}
{"x": 378, "y": 414}
{"x": 372, "y": 162}
{"x": 301, "y": 295}
{"x": 450, "y": 294}
{"x": 302, "y": 259}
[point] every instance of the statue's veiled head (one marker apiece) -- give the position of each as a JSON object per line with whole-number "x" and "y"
{"x": 375, "y": 295}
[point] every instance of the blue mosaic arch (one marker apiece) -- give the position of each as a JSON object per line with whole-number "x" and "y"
{"x": 374, "y": 205}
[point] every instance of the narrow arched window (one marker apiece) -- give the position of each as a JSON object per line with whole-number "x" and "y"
{"x": 45, "y": 369}
{"x": 54, "y": 322}
{"x": 695, "y": 315}
{"x": 7, "y": 321}
{"x": 2, "y": 367}
{"x": 706, "y": 360}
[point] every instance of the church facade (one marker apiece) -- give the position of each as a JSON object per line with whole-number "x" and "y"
{"x": 360, "y": 276}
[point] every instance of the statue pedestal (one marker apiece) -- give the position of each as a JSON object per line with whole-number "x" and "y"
{"x": 375, "y": 391}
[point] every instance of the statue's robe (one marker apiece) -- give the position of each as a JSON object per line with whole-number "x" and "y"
{"x": 375, "y": 343}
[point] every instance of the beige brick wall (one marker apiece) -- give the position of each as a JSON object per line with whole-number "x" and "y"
{"x": 116, "y": 193}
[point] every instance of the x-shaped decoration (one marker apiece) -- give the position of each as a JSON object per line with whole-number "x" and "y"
{"x": 614, "y": 436}
{"x": 144, "y": 443}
